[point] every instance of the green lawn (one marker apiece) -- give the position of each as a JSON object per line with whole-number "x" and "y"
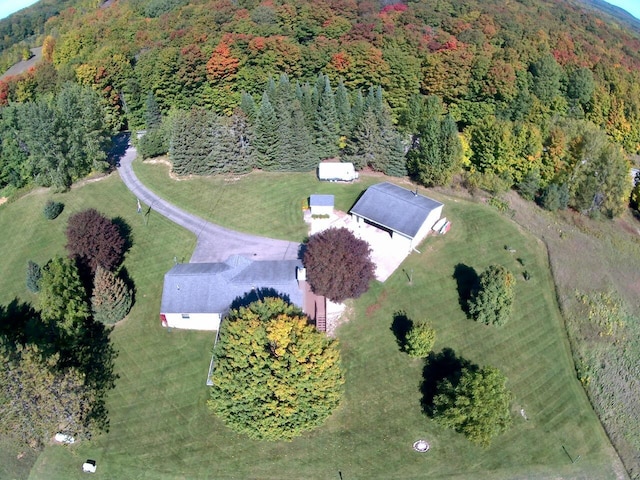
{"x": 266, "y": 204}
{"x": 160, "y": 428}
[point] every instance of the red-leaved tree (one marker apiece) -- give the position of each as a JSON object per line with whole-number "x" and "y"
{"x": 338, "y": 264}
{"x": 94, "y": 240}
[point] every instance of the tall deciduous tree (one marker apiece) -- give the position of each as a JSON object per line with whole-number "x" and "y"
{"x": 492, "y": 300}
{"x": 477, "y": 405}
{"x": 338, "y": 264}
{"x": 275, "y": 376}
{"x": 94, "y": 240}
{"x": 38, "y": 398}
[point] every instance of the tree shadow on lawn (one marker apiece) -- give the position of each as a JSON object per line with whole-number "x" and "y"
{"x": 257, "y": 294}
{"x": 400, "y": 327}
{"x": 125, "y": 232}
{"x": 438, "y": 367}
{"x": 92, "y": 353}
{"x": 467, "y": 280}
{"x": 21, "y": 323}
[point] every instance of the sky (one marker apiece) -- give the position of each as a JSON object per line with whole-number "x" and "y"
{"x": 7, "y": 7}
{"x": 631, "y": 6}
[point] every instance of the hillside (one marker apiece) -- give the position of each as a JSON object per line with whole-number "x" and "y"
{"x": 479, "y": 57}
{"x": 538, "y": 96}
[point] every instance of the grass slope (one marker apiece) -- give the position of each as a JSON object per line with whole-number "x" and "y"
{"x": 264, "y": 203}
{"x": 160, "y": 428}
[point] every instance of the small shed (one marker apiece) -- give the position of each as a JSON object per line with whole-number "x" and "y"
{"x": 321, "y": 204}
{"x": 337, "y": 172}
{"x": 406, "y": 215}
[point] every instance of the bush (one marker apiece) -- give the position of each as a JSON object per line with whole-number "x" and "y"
{"x": 52, "y": 209}
{"x": 420, "y": 339}
{"x": 555, "y": 197}
{"x": 34, "y": 274}
{"x": 153, "y": 144}
{"x": 492, "y": 299}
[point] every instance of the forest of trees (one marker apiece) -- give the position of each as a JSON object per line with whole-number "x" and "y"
{"x": 551, "y": 100}
{"x": 384, "y": 85}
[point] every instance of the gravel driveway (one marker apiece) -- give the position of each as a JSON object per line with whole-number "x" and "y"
{"x": 214, "y": 243}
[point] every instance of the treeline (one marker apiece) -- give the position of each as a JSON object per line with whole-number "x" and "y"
{"x": 291, "y": 127}
{"x": 53, "y": 141}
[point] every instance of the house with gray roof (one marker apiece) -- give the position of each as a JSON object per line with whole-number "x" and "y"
{"x": 406, "y": 215}
{"x": 196, "y": 296}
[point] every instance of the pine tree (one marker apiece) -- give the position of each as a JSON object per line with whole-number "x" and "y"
{"x": 309, "y": 102}
{"x": 111, "y": 300}
{"x": 34, "y": 274}
{"x": 248, "y": 106}
{"x": 153, "y": 117}
{"x": 326, "y": 124}
{"x": 236, "y": 148}
{"x": 437, "y": 152}
{"x": 266, "y": 136}
{"x": 343, "y": 110}
{"x": 62, "y": 296}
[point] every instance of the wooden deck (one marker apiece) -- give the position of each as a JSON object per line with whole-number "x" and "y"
{"x": 315, "y": 307}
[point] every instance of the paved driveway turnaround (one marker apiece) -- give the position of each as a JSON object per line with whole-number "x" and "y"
{"x": 214, "y": 243}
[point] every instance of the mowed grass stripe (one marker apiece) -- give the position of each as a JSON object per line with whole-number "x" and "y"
{"x": 158, "y": 411}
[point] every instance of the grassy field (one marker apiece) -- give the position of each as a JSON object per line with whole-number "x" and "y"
{"x": 273, "y": 200}
{"x": 608, "y": 262}
{"x": 160, "y": 428}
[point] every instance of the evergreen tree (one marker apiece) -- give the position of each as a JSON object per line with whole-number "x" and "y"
{"x": 420, "y": 339}
{"x": 357, "y": 110}
{"x": 492, "y": 299}
{"x": 236, "y": 146}
{"x": 343, "y": 110}
{"x": 34, "y": 274}
{"x": 152, "y": 116}
{"x": 308, "y": 97}
{"x": 530, "y": 184}
{"x": 248, "y": 106}
{"x": 326, "y": 123}
{"x": 63, "y": 299}
{"x": 194, "y": 147}
{"x": 266, "y": 136}
{"x": 436, "y": 154}
{"x": 111, "y": 300}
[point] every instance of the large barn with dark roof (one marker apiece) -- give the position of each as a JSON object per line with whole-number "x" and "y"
{"x": 406, "y": 215}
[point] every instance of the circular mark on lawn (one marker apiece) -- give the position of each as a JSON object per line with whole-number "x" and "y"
{"x": 421, "y": 446}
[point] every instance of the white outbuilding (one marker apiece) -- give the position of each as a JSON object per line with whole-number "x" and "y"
{"x": 337, "y": 172}
{"x": 321, "y": 204}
